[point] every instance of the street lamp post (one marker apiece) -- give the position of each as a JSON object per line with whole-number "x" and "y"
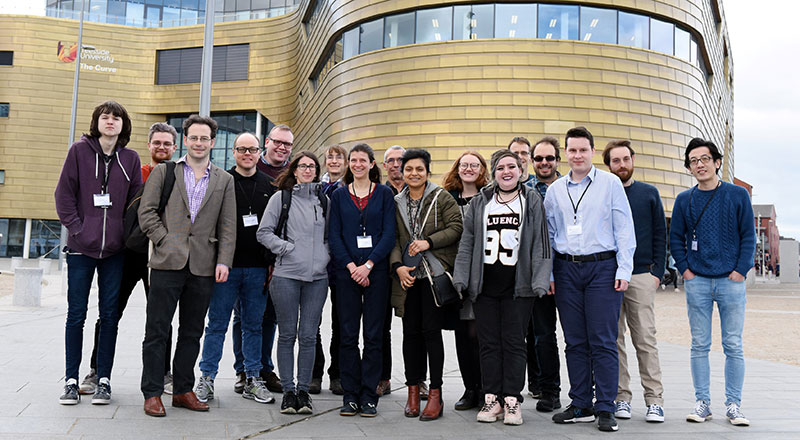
{"x": 208, "y": 55}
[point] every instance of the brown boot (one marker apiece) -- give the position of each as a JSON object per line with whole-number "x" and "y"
{"x": 435, "y": 406}
{"x": 412, "y": 405}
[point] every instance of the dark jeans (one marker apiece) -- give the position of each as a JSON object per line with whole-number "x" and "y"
{"x": 543, "y": 344}
{"x": 422, "y": 333}
{"x": 168, "y": 288}
{"x": 333, "y": 350}
{"x": 468, "y": 353}
{"x": 80, "y": 271}
{"x": 135, "y": 269}
{"x": 589, "y": 309}
{"x": 268, "y": 326}
{"x": 534, "y": 371}
{"x": 360, "y": 372}
{"x": 502, "y": 322}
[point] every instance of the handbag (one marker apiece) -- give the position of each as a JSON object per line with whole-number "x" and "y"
{"x": 444, "y": 294}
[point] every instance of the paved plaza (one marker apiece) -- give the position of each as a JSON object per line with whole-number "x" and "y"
{"x": 32, "y": 366}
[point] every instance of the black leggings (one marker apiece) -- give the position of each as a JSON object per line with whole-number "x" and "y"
{"x": 422, "y": 335}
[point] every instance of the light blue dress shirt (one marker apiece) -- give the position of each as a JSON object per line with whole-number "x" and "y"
{"x": 604, "y": 216}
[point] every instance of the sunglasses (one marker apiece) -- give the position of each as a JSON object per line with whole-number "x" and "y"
{"x": 541, "y": 158}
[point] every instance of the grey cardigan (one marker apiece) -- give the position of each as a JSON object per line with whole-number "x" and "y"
{"x": 535, "y": 261}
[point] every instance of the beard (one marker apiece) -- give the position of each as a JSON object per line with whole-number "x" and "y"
{"x": 544, "y": 174}
{"x": 624, "y": 174}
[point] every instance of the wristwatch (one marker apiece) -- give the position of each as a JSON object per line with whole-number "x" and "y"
{"x": 368, "y": 265}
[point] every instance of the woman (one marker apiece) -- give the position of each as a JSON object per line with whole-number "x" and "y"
{"x": 428, "y": 223}
{"x": 334, "y": 164}
{"x": 299, "y": 283}
{"x": 362, "y": 230}
{"x": 467, "y": 175}
{"x": 504, "y": 260}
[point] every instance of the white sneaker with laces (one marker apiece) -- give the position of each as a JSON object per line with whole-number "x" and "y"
{"x": 655, "y": 413}
{"x": 622, "y": 410}
{"x": 701, "y": 413}
{"x": 513, "y": 413}
{"x": 491, "y": 409}
{"x": 735, "y": 416}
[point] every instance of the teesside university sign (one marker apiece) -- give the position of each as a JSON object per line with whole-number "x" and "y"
{"x": 97, "y": 60}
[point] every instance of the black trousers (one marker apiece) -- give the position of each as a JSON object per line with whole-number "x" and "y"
{"x": 135, "y": 269}
{"x": 543, "y": 362}
{"x": 386, "y": 369}
{"x": 468, "y": 353}
{"x": 422, "y": 335}
{"x": 502, "y": 322}
{"x": 168, "y": 289}
{"x": 333, "y": 349}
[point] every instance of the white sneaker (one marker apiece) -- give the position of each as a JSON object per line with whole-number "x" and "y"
{"x": 513, "y": 413}
{"x": 735, "y": 416}
{"x": 491, "y": 409}
{"x": 168, "y": 383}
{"x": 622, "y": 410}
{"x": 655, "y": 413}
{"x": 700, "y": 414}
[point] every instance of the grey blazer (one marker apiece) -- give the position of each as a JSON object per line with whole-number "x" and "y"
{"x": 210, "y": 240}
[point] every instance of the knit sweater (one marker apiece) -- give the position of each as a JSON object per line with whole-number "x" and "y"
{"x": 651, "y": 228}
{"x": 726, "y": 237}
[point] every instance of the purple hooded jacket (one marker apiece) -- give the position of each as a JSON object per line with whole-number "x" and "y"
{"x": 93, "y": 231}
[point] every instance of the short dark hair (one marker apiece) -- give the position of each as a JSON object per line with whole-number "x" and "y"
{"x": 162, "y": 127}
{"x": 287, "y": 179}
{"x": 700, "y": 142}
{"x": 202, "y": 120}
{"x": 579, "y": 132}
{"x": 616, "y": 144}
{"x": 416, "y": 153}
{"x": 521, "y": 140}
{"x": 549, "y": 140}
{"x": 116, "y": 109}
{"x": 374, "y": 172}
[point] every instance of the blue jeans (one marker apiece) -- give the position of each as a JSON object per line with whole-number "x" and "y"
{"x": 298, "y": 307}
{"x": 245, "y": 284}
{"x": 730, "y": 296}
{"x": 80, "y": 271}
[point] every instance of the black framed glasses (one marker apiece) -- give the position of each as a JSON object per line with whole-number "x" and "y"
{"x": 706, "y": 159}
{"x": 251, "y": 150}
{"x": 280, "y": 143}
{"x": 550, "y": 158}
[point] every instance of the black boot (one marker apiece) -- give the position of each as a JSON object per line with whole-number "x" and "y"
{"x": 468, "y": 401}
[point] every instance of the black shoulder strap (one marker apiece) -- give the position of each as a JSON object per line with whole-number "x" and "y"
{"x": 286, "y": 203}
{"x": 166, "y": 189}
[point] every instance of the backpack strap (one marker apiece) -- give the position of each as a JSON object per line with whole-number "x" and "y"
{"x": 286, "y": 203}
{"x": 166, "y": 189}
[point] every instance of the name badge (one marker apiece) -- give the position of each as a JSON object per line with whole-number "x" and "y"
{"x": 574, "y": 229}
{"x": 364, "y": 241}
{"x": 102, "y": 200}
{"x": 250, "y": 220}
{"x": 694, "y": 245}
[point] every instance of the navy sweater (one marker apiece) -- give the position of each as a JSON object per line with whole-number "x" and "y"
{"x": 651, "y": 228}
{"x": 726, "y": 235}
{"x": 345, "y": 226}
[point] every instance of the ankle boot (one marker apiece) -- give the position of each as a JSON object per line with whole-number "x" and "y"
{"x": 435, "y": 406}
{"x": 412, "y": 405}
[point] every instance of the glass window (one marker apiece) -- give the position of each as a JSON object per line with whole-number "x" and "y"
{"x": 661, "y": 36}
{"x": 188, "y": 17}
{"x": 558, "y": 22}
{"x": 598, "y": 25}
{"x": 682, "y": 43}
{"x": 399, "y": 30}
{"x": 230, "y": 5}
{"x": 371, "y": 37}
{"x": 634, "y": 30}
{"x": 243, "y": 5}
{"x": 134, "y": 16}
{"x": 350, "y": 43}
{"x": 693, "y": 51}
{"x": 6, "y": 57}
{"x": 172, "y": 3}
{"x": 4, "y": 109}
{"x": 45, "y": 239}
{"x": 260, "y": 4}
{"x": 191, "y": 4}
{"x": 434, "y": 25}
{"x": 153, "y": 17}
{"x": 12, "y": 238}
{"x": 515, "y": 21}
{"x": 154, "y": 2}
{"x": 471, "y": 22}
{"x": 116, "y": 11}
{"x": 97, "y": 11}
{"x": 172, "y": 17}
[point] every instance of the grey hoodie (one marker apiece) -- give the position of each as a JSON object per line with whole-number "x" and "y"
{"x": 535, "y": 259}
{"x": 304, "y": 254}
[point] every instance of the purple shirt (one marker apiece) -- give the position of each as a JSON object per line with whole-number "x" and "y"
{"x": 195, "y": 192}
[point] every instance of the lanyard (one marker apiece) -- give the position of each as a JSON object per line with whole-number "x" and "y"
{"x": 713, "y": 193}
{"x": 252, "y": 194}
{"x": 108, "y": 161}
{"x": 574, "y": 206}
{"x": 361, "y": 211}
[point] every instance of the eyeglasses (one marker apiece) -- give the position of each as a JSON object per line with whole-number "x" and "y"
{"x": 279, "y": 143}
{"x": 162, "y": 144}
{"x": 541, "y": 158}
{"x": 706, "y": 159}
{"x": 203, "y": 139}
{"x": 251, "y": 150}
{"x": 306, "y": 166}
{"x": 474, "y": 166}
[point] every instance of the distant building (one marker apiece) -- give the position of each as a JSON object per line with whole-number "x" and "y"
{"x": 768, "y": 237}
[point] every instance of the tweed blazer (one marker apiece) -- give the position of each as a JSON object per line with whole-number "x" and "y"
{"x": 209, "y": 241}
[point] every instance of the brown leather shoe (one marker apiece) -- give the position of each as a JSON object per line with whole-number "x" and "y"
{"x": 412, "y": 404}
{"x": 423, "y": 390}
{"x": 384, "y": 388}
{"x": 435, "y": 406}
{"x": 188, "y": 401}
{"x": 154, "y": 407}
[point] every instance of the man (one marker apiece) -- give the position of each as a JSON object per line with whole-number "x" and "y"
{"x": 246, "y": 279}
{"x": 194, "y": 241}
{"x": 522, "y": 147}
{"x": 591, "y": 229}
{"x": 392, "y": 161}
{"x": 638, "y": 302}
{"x": 543, "y": 361}
{"x": 712, "y": 239}
{"x": 161, "y": 143}
{"x": 99, "y": 177}
{"x": 278, "y": 149}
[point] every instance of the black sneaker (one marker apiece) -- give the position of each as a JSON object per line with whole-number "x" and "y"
{"x": 102, "y": 396}
{"x": 606, "y": 421}
{"x": 289, "y": 403}
{"x": 573, "y": 414}
{"x": 71, "y": 395}
{"x": 304, "y": 403}
{"x": 349, "y": 409}
{"x": 369, "y": 410}
{"x": 548, "y": 403}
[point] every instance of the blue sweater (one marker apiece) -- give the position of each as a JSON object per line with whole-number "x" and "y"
{"x": 345, "y": 226}
{"x": 726, "y": 236}
{"x": 651, "y": 228}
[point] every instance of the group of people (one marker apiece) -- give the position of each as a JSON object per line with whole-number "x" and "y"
{"x": 491, "y": 254}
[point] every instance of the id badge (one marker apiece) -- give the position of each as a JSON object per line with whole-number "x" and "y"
{"x": 574, "y": 229}
{"x": 102, "y": 200}
{"x": 250, "y": 220}
{"x": 364, "y": 241}
{"x": 694, "y": 245}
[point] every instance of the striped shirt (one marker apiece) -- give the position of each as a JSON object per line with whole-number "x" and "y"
{"x": 195, "y": 190}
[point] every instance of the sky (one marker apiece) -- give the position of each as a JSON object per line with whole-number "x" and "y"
{"x": 765, "y": 103}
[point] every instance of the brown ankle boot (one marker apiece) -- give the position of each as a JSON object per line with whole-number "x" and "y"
{"x": 412, "y": 405}
{"x": 435, "y": 406}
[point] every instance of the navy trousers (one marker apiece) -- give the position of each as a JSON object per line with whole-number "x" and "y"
{"x": 589, "y": 309}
